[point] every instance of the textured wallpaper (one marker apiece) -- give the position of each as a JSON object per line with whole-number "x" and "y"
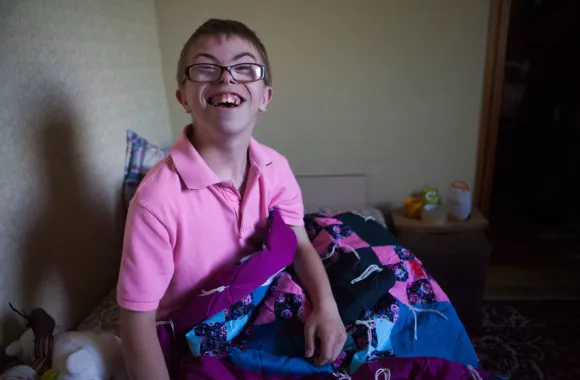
{"x": 74, "y": 75}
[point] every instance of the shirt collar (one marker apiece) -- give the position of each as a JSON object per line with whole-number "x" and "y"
{"x": 259, "y": 156}
{"x": 195, "y": 172}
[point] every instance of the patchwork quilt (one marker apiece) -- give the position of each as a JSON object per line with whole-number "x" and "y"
{"x": 393, "y": 310}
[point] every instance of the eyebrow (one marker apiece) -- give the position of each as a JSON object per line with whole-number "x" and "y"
{"x": 213, "y": 58}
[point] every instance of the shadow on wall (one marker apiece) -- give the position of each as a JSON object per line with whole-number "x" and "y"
{"x": 70, "y": 256}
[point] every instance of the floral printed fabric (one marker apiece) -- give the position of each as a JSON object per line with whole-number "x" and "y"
{"x": 371, "y": 337}
{"x": 283, "y": 307}
{"x": 285, "y": 300}
{"x": 214, "y": 335}
{"x": 329, "y": 234}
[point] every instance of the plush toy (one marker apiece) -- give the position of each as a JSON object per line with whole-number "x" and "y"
{"x": 23, "y": 348}
{"x": 19, "y": 372}
{"x": 80, "y": 355}
{"x": 42, "y": 326}
{"x": 430, "y": 196}
{"x": 72, "y": 355}
{"x": 76, "y": 355}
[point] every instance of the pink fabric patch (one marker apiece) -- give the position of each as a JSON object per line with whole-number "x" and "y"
{"x": 322, "y": 241}
{"x": 387, "y": 255}
{"x": 323, "y": 222}
{"x": 285, "y": 285}
{"x": 353, "y": 241}
{"x": 399, "y": 291}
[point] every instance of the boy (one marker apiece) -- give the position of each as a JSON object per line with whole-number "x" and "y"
{"x": 206, "y": 205}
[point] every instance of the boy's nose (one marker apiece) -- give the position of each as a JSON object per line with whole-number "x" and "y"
{"x": 226, "y": 77}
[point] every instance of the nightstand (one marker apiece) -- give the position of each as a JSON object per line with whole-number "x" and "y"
{"x": 476, "y": 222}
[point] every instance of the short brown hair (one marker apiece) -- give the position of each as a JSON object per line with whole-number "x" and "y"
{"x": 217, "y": 27}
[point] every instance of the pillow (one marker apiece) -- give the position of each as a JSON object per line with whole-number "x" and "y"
{"x": 141, "y": 156}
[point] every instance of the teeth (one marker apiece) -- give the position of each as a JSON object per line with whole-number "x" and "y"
{"x": 225, "y": 99}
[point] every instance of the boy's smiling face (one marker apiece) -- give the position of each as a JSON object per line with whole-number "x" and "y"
{"x": 202, "y": 99}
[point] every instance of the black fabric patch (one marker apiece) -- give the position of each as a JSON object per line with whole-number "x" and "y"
{"x": 354, "y": 299}
{"x": 370, "y": 231}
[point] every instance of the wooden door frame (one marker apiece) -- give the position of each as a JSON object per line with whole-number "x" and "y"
{"x": 498, "y": 27}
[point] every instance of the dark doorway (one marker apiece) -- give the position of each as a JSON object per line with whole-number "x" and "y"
{"x": 537, "y": 160}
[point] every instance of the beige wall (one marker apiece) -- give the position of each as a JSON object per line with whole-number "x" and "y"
{"x": 74, "y": 75}
{"x": 389, "y": 88}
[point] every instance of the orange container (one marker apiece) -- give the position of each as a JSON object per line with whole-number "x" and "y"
{"x": 413, "y": 207}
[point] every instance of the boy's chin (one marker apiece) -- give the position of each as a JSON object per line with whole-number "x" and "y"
{"x": 229, "y": 127}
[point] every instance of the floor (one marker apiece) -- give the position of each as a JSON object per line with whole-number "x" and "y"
{"x": 533, "y": 263}
{"x": 530, "y": 340}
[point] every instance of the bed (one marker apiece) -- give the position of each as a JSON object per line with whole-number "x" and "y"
{"x": 408, "y": 330}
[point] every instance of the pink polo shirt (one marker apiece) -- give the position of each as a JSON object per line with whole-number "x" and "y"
{"x": 184, "y": 223}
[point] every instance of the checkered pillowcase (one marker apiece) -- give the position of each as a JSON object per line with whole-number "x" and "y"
{"x": 140, "y": 157}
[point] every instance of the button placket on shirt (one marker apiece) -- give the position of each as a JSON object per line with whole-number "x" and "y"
{"x": 253, "y": 176}
{"x": 231, "y": 196}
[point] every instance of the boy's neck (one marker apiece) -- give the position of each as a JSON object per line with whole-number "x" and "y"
{"x": 226, "y": 156}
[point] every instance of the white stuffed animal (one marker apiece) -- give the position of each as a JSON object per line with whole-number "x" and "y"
{"x": 19, "y": 372}
{"x": 77, "y": 355}
{"x": 88, "y": 356}
{"x": 23, "y": 348}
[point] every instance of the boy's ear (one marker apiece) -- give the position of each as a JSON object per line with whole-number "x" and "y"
{"x": 266, "y": 98}
{"x": 180, "y": 95}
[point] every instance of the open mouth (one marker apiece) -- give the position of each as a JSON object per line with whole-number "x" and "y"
{"x": 225, "y": 100}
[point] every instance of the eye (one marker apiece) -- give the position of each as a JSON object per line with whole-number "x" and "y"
{"x": 201, "y": 68}
{"x": 243, "y": 68}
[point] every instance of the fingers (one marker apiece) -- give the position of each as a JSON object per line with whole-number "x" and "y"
{"x": 309, "y": 337}
{"x": 327, "y": 343}
{"x": 338, "y": 346}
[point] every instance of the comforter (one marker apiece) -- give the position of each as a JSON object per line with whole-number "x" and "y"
{"x": 248, "y": 322}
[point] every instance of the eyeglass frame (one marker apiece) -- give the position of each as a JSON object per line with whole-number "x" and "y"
{"x": 224, "y": 68}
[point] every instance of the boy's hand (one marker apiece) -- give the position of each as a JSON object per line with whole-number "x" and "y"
{"x": 325, "y": 324}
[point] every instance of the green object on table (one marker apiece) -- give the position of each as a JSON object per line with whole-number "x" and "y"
{"x": 430, "y": 196}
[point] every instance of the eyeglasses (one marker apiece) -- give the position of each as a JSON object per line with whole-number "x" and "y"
{"x": 209, "y": 72}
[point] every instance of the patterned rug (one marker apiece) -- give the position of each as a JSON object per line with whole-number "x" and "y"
{"x": 531, "y": 340}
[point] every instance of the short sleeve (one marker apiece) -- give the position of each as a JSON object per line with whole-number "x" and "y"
{"x": 147, "y": 262}
{"x": 288, "y": 197}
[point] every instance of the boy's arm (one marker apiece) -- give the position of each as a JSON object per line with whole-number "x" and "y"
{"x": 146, "y": 271}
{"x": 141, "y": 349}
{"x": 324, "y": 322}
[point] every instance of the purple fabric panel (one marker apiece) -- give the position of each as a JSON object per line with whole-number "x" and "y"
{"x": 240, "y": 279}
{"x": 209, "y": 368}
{"x": 417, "y": 369}
{"x": 173, "y": 349}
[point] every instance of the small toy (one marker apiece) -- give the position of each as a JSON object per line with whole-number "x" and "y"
{"x": 430, "y": 196}
{"x": 19, "y": 372}
{"x": 42, "y": 326}
{"x": 413, "y": 207}
{"x": 83, "y": 355}
{"x": 74, "y": 355}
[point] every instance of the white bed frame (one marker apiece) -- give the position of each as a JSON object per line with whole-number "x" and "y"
{"x": 333, "y": 190}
